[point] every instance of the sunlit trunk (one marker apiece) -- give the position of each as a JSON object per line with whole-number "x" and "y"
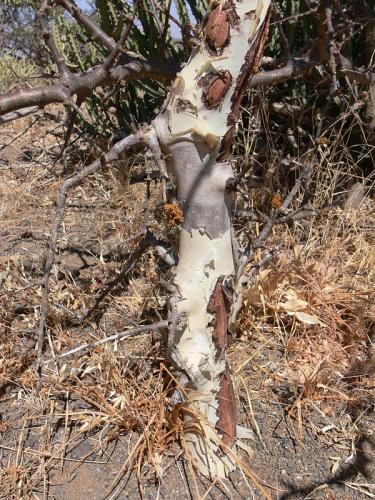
{"x": 195, "y": 129}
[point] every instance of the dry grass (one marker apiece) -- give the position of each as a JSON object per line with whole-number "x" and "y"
{"x": 313, "y": 306}
{"x": 317, "y": 299}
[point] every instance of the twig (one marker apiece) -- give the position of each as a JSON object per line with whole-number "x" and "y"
{"x": 332, "y": 48}
{"x": 109, "y": 62}
{"x": 23, "y": 132}
{"x": 69, "y": 128}
{"x": 50, "y": 42}
{"x": 97, "y": 33}
{"x": 51, "y": 249}
{"x": 154, "y": 146}
{"x": 280, "y": 28}
{"x": 249, "y": 253}
{"x": 130, "y": 263}
{"x": 92, "y": 345}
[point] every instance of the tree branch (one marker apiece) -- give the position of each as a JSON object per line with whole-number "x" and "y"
{"x": 130, "y": 69}
{"x": 51, "y": 250}
{"x": 97, "y": 33}
{"x": 139, "y": 330}
{"x": 294, "y": 68}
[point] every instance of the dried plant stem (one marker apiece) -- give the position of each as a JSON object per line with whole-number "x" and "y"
{"x": 280, "y": 213}
{"x": 92, "y": 345}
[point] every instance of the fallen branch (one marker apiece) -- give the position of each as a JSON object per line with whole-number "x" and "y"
{"x": 92, "y": 345}
{"x": 130, "y": 263}
{"x": 51, "y": 250}
{"x": 19, "y": 113}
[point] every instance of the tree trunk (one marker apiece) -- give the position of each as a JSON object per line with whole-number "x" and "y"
{"x": 195, "y": 129}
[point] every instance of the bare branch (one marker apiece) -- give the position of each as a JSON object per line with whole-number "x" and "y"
{"x": 51, "y": 250}
{"x": 332, "y": 48}
{"x": 293, "y": 69}
{"x": 20, "y": 113}
{"x": 109, "y": 62}
{"x": 50, "y": 42}
{"x": 97, "y": 33}
{"x": 139, "y": 330}
{"x": 299, "y": 67}
{"x": 82, "y": 84}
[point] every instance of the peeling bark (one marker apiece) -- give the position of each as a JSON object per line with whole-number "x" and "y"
{"x": 195, "y": 129}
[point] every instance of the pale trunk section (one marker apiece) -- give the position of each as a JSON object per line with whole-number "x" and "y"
{"x": 195, "y": 129}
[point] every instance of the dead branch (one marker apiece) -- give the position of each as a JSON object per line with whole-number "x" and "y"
{"x": 20, "y": 113}
{"x": 279, "y": 213}
{"x": 139, "y": 330}
{"x": 51, "y": 249}
{"x": 130, "y": 263}
{"x": 332, "y": 48}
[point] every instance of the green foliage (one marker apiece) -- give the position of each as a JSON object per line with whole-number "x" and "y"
{"x": 15, "y": 71}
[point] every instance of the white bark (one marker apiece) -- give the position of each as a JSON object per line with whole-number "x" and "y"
{"x": 195, "y": 130}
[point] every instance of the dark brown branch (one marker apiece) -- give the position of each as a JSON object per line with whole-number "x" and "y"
{"x": 283, "y": 38}
{"x": 332, "y": 48}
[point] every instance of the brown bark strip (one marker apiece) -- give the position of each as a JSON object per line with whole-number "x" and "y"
{"x": 215, "y": 86}
{"x": 226, "y": 424}
{"x": 218, "y": 308}
{"x": 217, "y": 30}
{"x": 249, "y": 68}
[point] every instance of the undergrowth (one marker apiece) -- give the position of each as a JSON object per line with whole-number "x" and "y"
{"x": 304, "y": 338}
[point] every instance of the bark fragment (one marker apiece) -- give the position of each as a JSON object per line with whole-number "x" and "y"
{"x": 216, "y": 85}
{"x": 226, "y": 412}
{"x": 217, "y": 29}
{"x": 248, "y": 69}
